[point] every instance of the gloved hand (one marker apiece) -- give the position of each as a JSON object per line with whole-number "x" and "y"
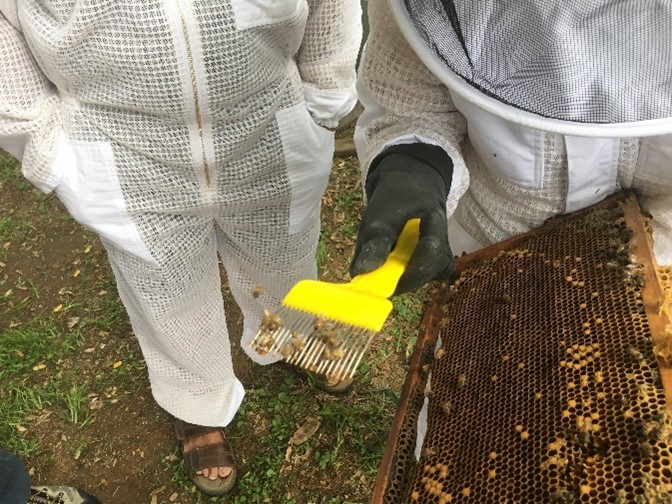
{"x": 407, "y": 181}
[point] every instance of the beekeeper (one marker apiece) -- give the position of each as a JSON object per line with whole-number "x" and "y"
{"x": 485, "y": 118}
{"x": 178, "y": 130}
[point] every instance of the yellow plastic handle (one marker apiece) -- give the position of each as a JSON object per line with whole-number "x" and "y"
{"x": 383, "y": 281}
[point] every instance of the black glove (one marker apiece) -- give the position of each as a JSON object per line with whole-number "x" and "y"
{"x": 404, "y": 182}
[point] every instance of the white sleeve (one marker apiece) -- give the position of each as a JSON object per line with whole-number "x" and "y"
{"x": 404, "y": 102}
{"x": 29, "y": 117}
{"x": 328, "y": 56}
{"x": 8, "y": 9}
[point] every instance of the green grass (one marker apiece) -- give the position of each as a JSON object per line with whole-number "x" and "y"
{"x": 38, "y": 343}
{"x": 30, "y": 358}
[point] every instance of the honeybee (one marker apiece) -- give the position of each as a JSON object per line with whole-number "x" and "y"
{"x": 270, "y": 322}
{"x": 297, "y": 342}
{"x": 446, "y": 407}
{"x": 645, "y": 450}
{"x": 265, "y": 341}
{"x": 461, "y": 380}
{"x": 329, "y": 337}
{"x": 287, "y": 351}
{"x": 428, "y": 452}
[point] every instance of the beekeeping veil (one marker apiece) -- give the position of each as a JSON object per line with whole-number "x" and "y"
{"x": 581, "y": 67}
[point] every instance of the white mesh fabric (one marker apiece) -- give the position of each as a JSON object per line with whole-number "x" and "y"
{"x": 176, "y": 307}
{"x": 494, "y": 209}
{"x": 29, "y": 115}
{"x": 202, "y": 107}
{"x": 322, "y": 67}
{"x": 125, "y": 74}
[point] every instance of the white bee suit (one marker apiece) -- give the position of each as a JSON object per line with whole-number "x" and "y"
{"x": 544, "y": 107}
{"x": 177, "y": 129}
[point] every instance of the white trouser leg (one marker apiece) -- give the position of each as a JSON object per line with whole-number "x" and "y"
{"x": 267, "y": 257}
{"x": 177, "y": 312}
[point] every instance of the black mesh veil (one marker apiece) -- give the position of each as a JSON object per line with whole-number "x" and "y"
{"x": 584, "y": 61}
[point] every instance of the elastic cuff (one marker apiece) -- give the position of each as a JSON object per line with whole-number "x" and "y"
{"x": 431, "y": 155}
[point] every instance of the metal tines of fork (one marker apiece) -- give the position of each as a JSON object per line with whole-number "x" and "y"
{"x": 324, "y": 347}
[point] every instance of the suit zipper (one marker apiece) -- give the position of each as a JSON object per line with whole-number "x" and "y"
{"x": 194, "y": 89}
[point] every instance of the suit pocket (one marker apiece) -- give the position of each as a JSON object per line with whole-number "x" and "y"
{"x": 654, "y": 163}
{"x": 308, "y": 150}
{"x": 509, "y": 151}
{"x": 253, "y": 13}
{"x": 90, "y": 190}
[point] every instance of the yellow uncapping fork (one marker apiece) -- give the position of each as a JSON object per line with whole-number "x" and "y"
{"x": 326, "y": 328}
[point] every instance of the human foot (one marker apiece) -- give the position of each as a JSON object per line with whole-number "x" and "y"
{"x": 208, "y": 457}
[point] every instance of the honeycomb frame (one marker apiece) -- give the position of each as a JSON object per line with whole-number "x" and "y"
{"x": 584, "y": 363}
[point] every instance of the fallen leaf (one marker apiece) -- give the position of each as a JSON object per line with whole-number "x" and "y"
{"x": 89, "y": 350}
{"x": 96, "y": 404}
{"x": 8, "y": 293}
{"x": 43, "y": 417}
{"x": 305, "y": 431}
{"x": 39, "y": 367}
{"x": 72, "y": 322}
{"x": 117, "y": 364}
{"x": 21, "y": 428}
{"x": 87, "y": 249}
{"x": 305, "y": 456}
{"x": 76, "y": 273}
{"x": 158, "y": 490}
{"x": 58, "y": 308}
{"x": 173, "y": 497}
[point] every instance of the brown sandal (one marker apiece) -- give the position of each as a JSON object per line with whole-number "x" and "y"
{"x": 337, "y": 388}
{"x": 213, "y": 455}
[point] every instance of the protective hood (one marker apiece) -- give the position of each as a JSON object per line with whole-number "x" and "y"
{"x": 579, "y": 67}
